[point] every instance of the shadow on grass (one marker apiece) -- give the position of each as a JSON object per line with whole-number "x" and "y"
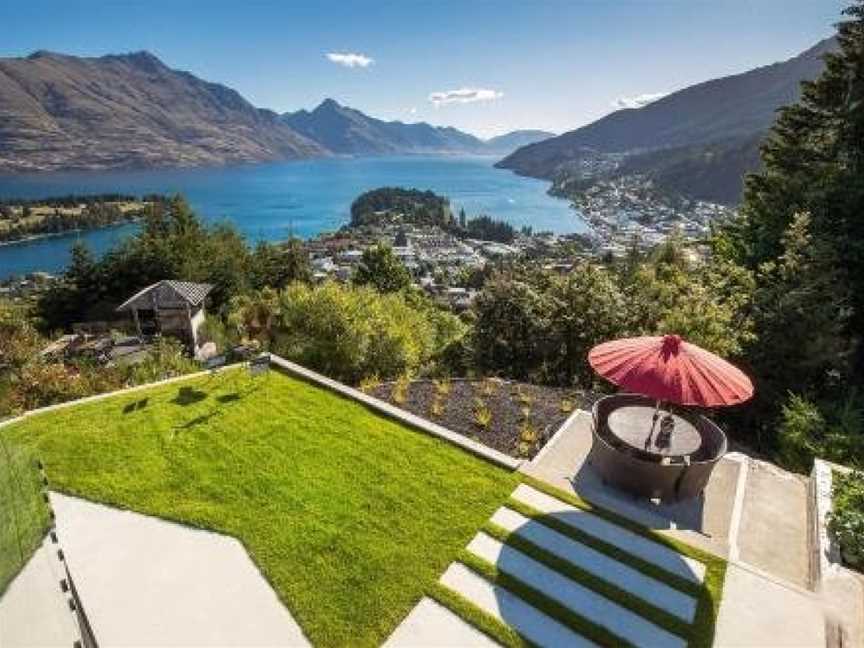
{"x": 229, "y": 398}
{"x": 188, "y": 396}
{"x": 198, "y": 420}
{"x": 136, "y": 405}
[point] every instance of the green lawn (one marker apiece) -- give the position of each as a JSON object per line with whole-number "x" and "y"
{"x": 349, "y": 515}
{"x": 23, "y": 513}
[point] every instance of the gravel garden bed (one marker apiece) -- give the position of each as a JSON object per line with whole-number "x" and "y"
{"x": 515, "y": 418}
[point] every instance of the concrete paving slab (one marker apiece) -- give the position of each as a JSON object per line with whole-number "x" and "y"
{"x": 633, "y": 581}
{"x": 704, "y": 522}
{"x": 431, "y": 625}
{"x": 147, "y": 582}
{"x": 773, "y": 533}
{"x": 34, "y": 612}
{"x": 505, "y": 606}
{"x": 572, "y": 595}
{"x": 653, "y": 552}
{"x": 764, "y": 613}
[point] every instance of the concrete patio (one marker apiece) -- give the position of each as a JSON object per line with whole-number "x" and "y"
{"x": 753, "y": 513}
{"x": 143, "y": 582}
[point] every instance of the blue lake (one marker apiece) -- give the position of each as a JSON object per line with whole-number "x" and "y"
{"x": 273, "y": 201}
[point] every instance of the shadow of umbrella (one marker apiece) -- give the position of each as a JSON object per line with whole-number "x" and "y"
{"x": 188, "y": 396}
{"x": 587, "y": 585}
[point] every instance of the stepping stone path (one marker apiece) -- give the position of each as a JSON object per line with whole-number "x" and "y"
{"x": 551, "y": 573}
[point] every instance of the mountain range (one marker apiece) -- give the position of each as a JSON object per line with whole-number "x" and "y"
{"x": 61, "y": 112}
{"x": 347, "y": 131}
{"x": 133, "y": 111}
{"x": 699, "y": 141}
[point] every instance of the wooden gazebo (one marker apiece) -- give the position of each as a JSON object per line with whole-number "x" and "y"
{"x": 169, "y": 307}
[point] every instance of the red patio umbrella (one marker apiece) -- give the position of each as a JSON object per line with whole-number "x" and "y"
{"x": 669, "y": 369}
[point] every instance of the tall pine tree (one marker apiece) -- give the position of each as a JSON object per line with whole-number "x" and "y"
{"x": 813, "y": 163}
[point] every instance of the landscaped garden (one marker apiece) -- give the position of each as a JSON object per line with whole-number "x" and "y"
{"x": 513, "y": 417}
{"x": 846, "y": 521}
{"x": 350, "y": 516}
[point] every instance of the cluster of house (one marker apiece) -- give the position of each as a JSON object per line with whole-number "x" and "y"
{"x": 31, "y": 284}
{"x": 628, "y": 210}
{"x": 434, "y": 257}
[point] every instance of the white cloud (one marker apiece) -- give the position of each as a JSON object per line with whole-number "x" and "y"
{"x": 350, "y": 59}
{"x": 464, "y": 95}
{"x": 413, "y": 110}
{"x": 638, "y": 101}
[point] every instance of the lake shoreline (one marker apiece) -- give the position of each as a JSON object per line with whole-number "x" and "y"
{"x": 273, "y": 201}
{"x": 80, "y": 230}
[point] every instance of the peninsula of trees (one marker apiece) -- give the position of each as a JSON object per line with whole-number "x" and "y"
{"x": 27, "y": 218}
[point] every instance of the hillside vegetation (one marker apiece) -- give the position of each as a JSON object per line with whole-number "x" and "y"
{"x": 697, "y": 137}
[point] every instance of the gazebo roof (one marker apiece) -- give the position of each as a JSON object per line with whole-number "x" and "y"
{"x": 167, "y": 293}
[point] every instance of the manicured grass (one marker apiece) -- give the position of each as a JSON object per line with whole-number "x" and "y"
{"x": 352, "y": 517}
{"x": 23, "y": 513}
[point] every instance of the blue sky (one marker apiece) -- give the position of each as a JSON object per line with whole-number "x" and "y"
{"x": 543, "y": 64}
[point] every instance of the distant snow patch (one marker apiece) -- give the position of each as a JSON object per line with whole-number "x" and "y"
{"x": 638, "y": 101}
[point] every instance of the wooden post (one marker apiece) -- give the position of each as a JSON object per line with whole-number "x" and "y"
{"x": 137, "y": 323}
{"x": 191, "y": 329}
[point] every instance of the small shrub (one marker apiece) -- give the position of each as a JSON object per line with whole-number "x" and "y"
{"x": 436, "y": 409}
{"x": 400, "y": 389}
{"x": 488, "y": 387}
{"x": 369, "y": 383}
{"x": 482, "y": 414}
{"x": 528, "y": 433}
{"x": 524, "y": 449}
{"x": 833, "y": 430}
{"x": 846, "y": 521}
{"x": 801, "y": 428}
{"x": 442, "y": 386}
{"x": 523, "y": 397}
{"x": 567, "y": 405}
{"x": 526, "y": 412}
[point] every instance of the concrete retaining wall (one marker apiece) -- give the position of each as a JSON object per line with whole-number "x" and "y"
{"x": 826, "y": 552}
{"x": 841, "y": 589}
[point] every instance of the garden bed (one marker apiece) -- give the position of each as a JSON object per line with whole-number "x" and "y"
{"x": 512, "y": 417}
{"x": 846, "y": 520}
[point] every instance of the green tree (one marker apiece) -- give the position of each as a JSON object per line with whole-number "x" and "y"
{"x": 352, "y": 332}
{"x": 510, "y": 328}
{"x": 253, "y": 316}
{"x": 801, "y": 311}
{"x": 813, "y": 162}
{"x": 173, "y": 244}
{"x": 277, "y": 266}
{"x": 382, "y": 269}
{"x": 587, "y": 307}
{"x": 706, "y": 302}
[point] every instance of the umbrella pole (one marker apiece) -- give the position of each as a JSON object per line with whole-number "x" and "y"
{"x": 653, "y": 424}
